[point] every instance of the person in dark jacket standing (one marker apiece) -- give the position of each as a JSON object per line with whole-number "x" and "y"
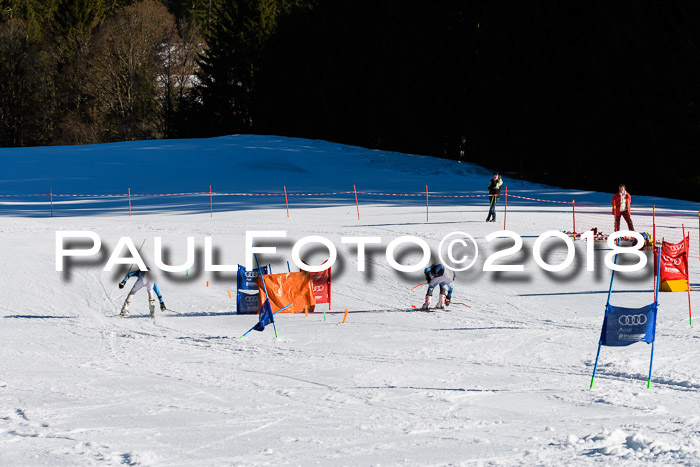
{"x": 621, "y": 202}
{"x": 494, "y": 194}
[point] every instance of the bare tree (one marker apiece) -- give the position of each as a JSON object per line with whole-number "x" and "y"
{"x": 178, "y": 73}
{"x": 127, "y": 64}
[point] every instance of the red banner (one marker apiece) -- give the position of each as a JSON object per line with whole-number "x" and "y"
{"x": 322, "y": 286}
{"x": 674, "y": 261}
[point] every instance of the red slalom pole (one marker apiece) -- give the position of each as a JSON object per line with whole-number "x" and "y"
{"x": 51, "y": 194}
{"x": 686, "y": 242}
{"x": 356, "y": 203}
{"x": 573, "y": 208}
{"x": 653, "y": 240}
{"x": 211, "y": 202}
{"x": 505, "y": 210}
{"x": 129, "y": 202}
{"x": 426, "y": 203}
{"x": 657, "y": 271}
{"x": 653, "y": 221}
{"x": 285, "y": 200}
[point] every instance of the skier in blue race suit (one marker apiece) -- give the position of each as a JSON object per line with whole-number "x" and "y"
{"x": 142, "y": 280}
{"x": 435, "y": 276}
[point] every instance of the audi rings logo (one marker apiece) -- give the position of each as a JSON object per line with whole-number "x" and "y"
{"x": 632, "y": 320}
{"x": 250, "y": 298}
{"x": 677, "y": 247}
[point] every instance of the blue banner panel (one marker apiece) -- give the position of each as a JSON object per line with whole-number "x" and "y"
{"x": 246, "y": 279}
{"x": 247, "y": 303}
{"x": 625, "y": 326}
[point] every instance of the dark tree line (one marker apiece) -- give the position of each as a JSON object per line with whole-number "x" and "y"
{"x": 578, "y": 94}
{"x": 90, "y": 71}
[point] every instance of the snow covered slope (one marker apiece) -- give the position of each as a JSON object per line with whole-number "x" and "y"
{"x": 246, "y": 164}
{"x": 505, "y": 382}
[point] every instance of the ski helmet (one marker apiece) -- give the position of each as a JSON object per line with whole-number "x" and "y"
{"x": 437, "y": 270}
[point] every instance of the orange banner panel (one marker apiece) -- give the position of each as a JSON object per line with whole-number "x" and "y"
{"x": 286, "y": 288}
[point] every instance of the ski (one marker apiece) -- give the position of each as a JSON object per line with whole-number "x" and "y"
{"x": 431, "y": 309}
{"x": 119, "y": 315}
{"x": 439, "y": 309}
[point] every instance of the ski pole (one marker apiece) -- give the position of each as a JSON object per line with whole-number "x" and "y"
{"x": 422, "y": 283}
{"x": 138, "y": 251}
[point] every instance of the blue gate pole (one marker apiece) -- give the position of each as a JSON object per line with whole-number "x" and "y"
{"x": 600, "y": 342}
{"x": 265, "y": 288}
{"x": 612, "y": 278}
{"x": 261, "y": 274}
{"x": 656, "y": 295}
{"x": 651, "y": 362}
{"x": 273, "y": 321}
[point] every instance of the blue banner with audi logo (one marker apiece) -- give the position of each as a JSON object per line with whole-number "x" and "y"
{"x": 625, "y": 326}
{"x": 247, "y": 300}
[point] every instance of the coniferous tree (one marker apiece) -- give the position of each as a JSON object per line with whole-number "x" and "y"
{"x": 14, "y": 69}
{"x": 73, "y": 25}
{"x": 198, "y": 12}
{"x": 36, "y": 15}
{"x": 25, "y": 92}
{"x": 231, "y": 61}
{"x": 112, "y": 7}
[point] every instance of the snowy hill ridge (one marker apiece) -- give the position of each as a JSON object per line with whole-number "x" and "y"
{"x": 504, "y": 381}
{"x": 247, "y": 164}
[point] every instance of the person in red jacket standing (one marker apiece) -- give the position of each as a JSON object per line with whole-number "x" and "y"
{"x": 621, "y": 207}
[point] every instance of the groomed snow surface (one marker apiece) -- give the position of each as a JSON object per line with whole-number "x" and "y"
{"x": 505, "y": 382}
